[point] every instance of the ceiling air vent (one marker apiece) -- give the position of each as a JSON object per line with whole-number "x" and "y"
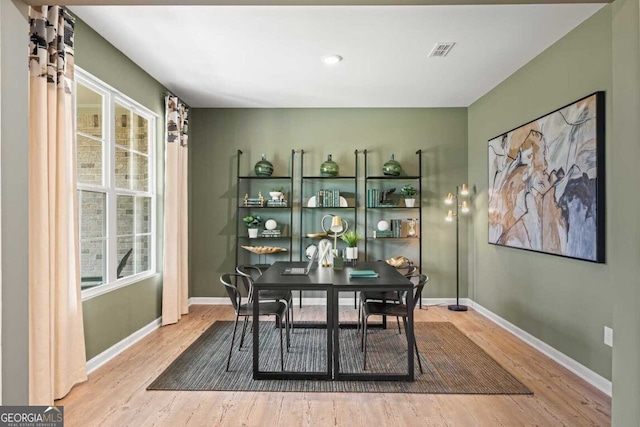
{"x": 442, "y": 49}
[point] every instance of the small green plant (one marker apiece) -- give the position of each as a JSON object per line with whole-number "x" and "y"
{"x": 252, "y": 221}
{"x": 408, "y": 191}
{"x": 277, "y": 190}
{"x": 350, "y": 238}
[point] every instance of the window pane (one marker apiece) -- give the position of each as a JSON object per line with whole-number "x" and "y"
{"x": 124, "y": 216}
{"x": 140, "y": 134}
{"x": 93, "y": 211}
{"x": 92, "y": 262}
{"x": 122, "y": 121}
{"x": 89, "y": 111}
{"x": 89, "y": 160}
{"x": 143, "y": 253}
{"x": 122, "y": 168}
{"x": 143, "y": 215}
{"x": 125, "y": 257}
{"x": 139, "y": 172}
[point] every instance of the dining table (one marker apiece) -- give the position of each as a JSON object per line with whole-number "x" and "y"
{"x": 333, "y": 282}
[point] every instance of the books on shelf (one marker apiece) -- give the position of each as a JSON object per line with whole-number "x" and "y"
{"x": 277, "y": 203}
{"x": 271, "y": 233}
{"x": 394, "y": 231}
{"x": 327, "y": 198}
{"x": 364, "y": 274}
{"x": 373, "y": 200}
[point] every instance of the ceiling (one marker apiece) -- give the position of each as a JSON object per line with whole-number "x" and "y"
{"x": 270, "y": 56}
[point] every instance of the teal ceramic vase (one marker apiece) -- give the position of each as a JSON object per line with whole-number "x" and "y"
{"x": 329, "y": 168}
{"x": 392, "y": 167}
{"x": 263, "y": 167}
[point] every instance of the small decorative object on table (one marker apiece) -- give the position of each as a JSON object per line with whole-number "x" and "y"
{"x": 329, "y": 167}
{"x": 391, "y": 167}
{"x": 263, "y": 167}
{"x": 252, "y": 222}
{"x": 408, "y": 193}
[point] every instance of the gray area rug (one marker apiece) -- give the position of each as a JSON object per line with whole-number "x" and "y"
{"x": 452, "y": 363}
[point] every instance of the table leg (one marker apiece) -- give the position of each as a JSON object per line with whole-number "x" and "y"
{"x": 335, "y": 328}
{"x": 332, "y": 316}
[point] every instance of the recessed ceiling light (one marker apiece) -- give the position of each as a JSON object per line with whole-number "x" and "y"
{"x": 331, "y": 59}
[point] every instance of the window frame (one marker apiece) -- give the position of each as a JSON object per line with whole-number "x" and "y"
{"x": 111, "y": 97}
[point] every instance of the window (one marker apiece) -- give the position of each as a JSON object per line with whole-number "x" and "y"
{"x": 115, "y": 139}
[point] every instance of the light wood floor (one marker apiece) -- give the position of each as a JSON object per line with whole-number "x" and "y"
{"x": 115, "y": 394}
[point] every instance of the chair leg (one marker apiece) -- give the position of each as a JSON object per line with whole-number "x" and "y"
{"x": 233, "y": 337}
{"x": 400, "y": 330}
{"x": 418, "y": 354}
{"x": 364, "y": 340}
{"x": 415, "y": 344}
{"x": 281, "y": 345}
{"x": 287, "y": 325}
{"x": 244, "y": 329}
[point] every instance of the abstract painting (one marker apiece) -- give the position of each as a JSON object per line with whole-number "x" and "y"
{"x": 546, "y": 183}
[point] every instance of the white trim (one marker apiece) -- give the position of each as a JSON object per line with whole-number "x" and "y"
{"x": 116, "y": 349}
{"x": 89, "y": 293}
{"x": 577, "y": 368}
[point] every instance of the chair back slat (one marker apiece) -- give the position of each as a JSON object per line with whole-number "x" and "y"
{"x": 251, "y": 272}
{"x": 417, "y": 290}
{"x": 230, "y": 282}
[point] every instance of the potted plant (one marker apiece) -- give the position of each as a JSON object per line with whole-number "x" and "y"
{"x": 252, "y": 222}
{"x": 409, "y": 193}
{"x": 276, "y": 192}
{"x": 351, "y": 239}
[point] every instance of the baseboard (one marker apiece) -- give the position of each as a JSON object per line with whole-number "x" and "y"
{"x": 116, "y": 349}
{"x": 577, "y": 368}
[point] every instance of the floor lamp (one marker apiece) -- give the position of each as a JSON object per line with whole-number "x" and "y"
{"x": 461, "y": 190}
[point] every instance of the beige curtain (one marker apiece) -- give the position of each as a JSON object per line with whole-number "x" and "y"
{"x": 175, "y": 288}
{"x": 56, "y": 336}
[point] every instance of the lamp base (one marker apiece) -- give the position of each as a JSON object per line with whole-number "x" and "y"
{"x": 455, "y": 307}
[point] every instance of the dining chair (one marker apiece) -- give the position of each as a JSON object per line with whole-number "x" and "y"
{"x": 253, "y": 271}
{"x": 399, "y": 310}
{"x": 386, "y": 296}
{"x": 278, "y": 309}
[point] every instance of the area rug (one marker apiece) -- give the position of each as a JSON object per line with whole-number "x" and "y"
{"x": 452, "y": 363}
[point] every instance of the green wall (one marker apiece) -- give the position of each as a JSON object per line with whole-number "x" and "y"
{"x": 565, "y": 303}
{"x": 216, "y": 134}
{"x": 111, "y": 317}
{"x": 624, "y": 245}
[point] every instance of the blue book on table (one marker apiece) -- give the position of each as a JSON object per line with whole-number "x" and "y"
{"x": 363, "y": 274}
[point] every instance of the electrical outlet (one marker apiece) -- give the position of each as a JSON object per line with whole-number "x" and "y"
{"x": 608, "y": 336}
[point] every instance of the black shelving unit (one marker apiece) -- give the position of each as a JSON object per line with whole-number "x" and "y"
{"x": 309, "y": 184}
{"x": 251, "y": 185}
{"x": 382, "y": 244}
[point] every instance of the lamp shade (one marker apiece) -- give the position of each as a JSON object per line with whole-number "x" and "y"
{"x": 449, "y": 199}
{"x": 449, "y": 216}
{"x": 336, "y": 224}
{"x": 464, "y": 190}
{"x": 465, "y": 207}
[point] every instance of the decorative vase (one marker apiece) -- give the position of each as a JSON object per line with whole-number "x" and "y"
{"x": 329, "y": 167}
{"x": 352, "y": 253}
{"x": 253, "y": 233}
{"x": 409, "y": 202}
{"x": 391, "y": 167}
{"x": 263, "y": 167}
{"x": 275, "y": 195}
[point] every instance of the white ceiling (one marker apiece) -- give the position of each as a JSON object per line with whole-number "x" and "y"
{"x": 269, "y": 56}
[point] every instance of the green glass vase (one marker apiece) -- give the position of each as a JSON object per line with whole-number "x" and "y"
{"x": 391, "y": 167}
{"x": 263, "y": 167}
{"x": 329, "y": 167}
